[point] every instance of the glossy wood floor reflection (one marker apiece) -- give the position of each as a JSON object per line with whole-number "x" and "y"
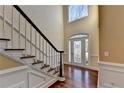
{"x": 77, "y": 77}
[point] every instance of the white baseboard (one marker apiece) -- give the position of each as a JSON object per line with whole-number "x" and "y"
{"x": 48, "y": 84}
{"x": 88, "y": 67}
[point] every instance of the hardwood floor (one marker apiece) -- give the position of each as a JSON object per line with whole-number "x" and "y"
{"x": 77, "y": 77}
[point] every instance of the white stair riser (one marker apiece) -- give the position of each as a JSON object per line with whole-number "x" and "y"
{"x": 16, "y": 54}
{"x": 56, "y": 75}
{"x": 38, "y": 66}
{"x": 51, "y": 72}
{"x": 46, "y": 69}
{"x": 28, "y": 60}
{"x": 3, "y": 44}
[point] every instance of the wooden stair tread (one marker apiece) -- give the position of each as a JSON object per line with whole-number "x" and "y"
{"x": 27, "y": 57}
{"x": 45, "y": 66}
{"x": 14, "y": 49}
{"x": 5, "y": 39}
{"x": 38, "y": 62}
{"x": 51, "y": 69}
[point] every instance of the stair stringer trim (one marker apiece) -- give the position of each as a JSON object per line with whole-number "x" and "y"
{"x": 31, "y": 68}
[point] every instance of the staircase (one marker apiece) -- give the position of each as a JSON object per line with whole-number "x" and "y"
{"x": 21, "y": 40}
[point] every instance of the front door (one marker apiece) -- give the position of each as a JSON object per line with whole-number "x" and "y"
{"x": 78, "y": 51}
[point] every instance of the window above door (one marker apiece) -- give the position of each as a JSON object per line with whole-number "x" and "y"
{"x": 76, "y": 12}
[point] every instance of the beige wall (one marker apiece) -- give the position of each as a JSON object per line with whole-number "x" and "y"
{"x": 86, "y": 25}
{"x": 112, "y": 33}
{"x": 49, "y": 18}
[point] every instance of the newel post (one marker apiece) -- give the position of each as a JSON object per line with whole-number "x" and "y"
{"x": 61, "y": 76}
{"x": 61, "y": 67}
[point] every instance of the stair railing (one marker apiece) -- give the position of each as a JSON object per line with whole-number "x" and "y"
{"x": 30, "y": 38}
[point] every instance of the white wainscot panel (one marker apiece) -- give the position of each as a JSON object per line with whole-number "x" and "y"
{"x": 35, "y": 79}
{"x": 111, "y": 75}
{"x": 14, "y": 79}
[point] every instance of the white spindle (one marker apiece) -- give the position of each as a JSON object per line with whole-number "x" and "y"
{"x": 39, "y": 47}
{"x": 25, "y": 36}
{"x": 30, "y": 40}
{"x": 43, "y": 48}
{"x": 35, "y": 44}
{"x": 46, "y": 53}
{"x": 12, "y": 27}
{"x": 4, "y": 20}
{"x": 19, "y": 31}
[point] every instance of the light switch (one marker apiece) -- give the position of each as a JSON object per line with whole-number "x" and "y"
{"x": 106, "y": 53}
